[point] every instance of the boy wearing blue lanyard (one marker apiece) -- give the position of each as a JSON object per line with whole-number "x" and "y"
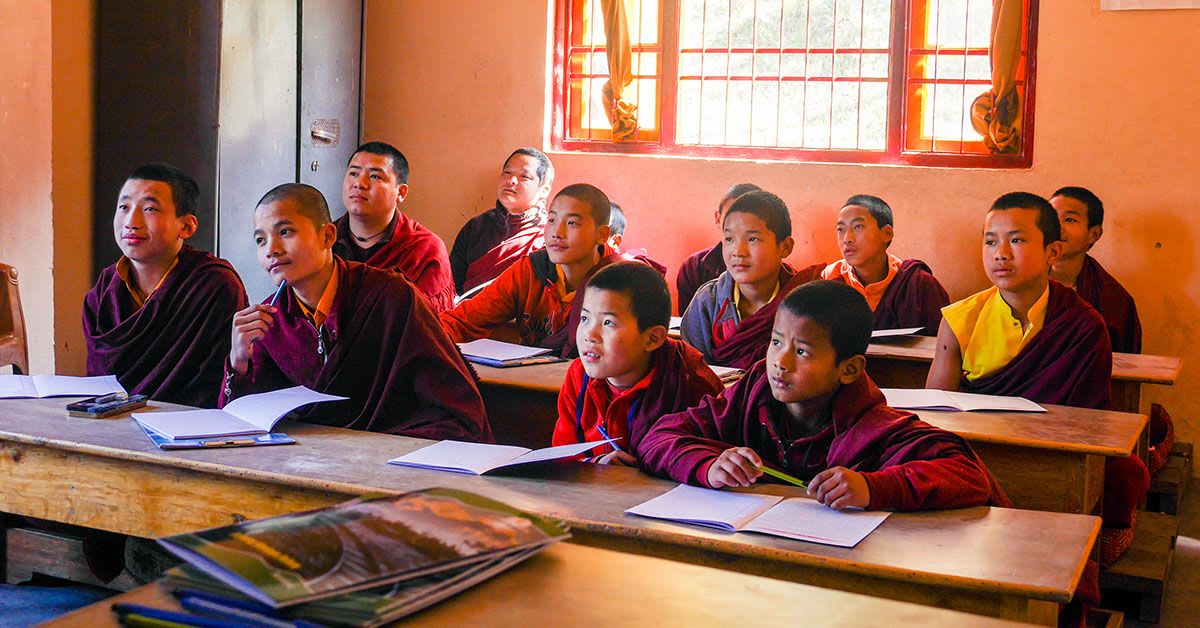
{"x": 628, "y": 373}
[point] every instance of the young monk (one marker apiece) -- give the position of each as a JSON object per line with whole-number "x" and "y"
{"x": 496, "y": 239}
{"x": 629, "y": 373}
{"x": 810, "y": 410}
{"x": 730, "y": 317}
{"x": 374, "y": 230}
{"x": 159, "y": 318}
{"x": 902, "y": 293}
{"x": 539, "y": 290}
{"x": 617, "y": 223}
{"x": 345, "y": 328}
{"x": 705, "y": 265}
{"x": 1081, "y": 216}
{"x": 1033, "y": 337}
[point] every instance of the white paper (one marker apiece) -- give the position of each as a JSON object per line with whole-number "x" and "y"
{"x": 479, "y": 458}
{"x": 809, "y": 520}
{"x": 716, "y": 509}
{"x": 499, "y": 351}
{"x": 252, "y": 414}
{"x": 886, "y": 333}
{"x": 17, "y": 386}
{"x": 263, "y": 410}
{"x": 929, "y": 399}
{"x": 676, "y": 322}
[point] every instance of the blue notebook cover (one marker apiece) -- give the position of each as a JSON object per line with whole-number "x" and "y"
{"x": 273, "y": 438}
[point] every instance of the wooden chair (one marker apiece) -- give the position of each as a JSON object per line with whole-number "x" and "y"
{"x": 14, "y": 349}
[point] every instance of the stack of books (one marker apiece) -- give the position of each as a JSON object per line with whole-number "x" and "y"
{"x": 366, "y": 562}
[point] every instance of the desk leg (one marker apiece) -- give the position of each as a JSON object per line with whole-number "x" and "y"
{"x": 1126, "y": 396}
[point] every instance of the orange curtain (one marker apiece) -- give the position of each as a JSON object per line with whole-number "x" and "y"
{"x": 996, "y": 114}
{"x": 622, "y": 113}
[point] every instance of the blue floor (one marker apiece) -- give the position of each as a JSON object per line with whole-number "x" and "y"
{"x": 24, "y": 605}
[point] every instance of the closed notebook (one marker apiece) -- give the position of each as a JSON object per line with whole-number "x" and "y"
{"x": 501, "y": 354}
{"x": 794, "y": 518}
{"x": 894, "y": 333}
{"x": 930, "y": 399}
{"x": 479, "y": 458}
{"x": 38, "y": 386}
{"x": 252, "y": 414}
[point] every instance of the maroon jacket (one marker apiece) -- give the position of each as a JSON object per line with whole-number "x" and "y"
{"x": 749, "y": 341}
{"x": 410, "y": 249}
{"x": 908, "y": 464}
{"x": 698, "y": 269}
{"x": 1114, "y": 303}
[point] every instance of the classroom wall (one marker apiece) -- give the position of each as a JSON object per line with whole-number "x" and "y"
{"x": 457, "y": 84}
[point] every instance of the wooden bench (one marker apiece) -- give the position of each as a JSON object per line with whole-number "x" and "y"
{"x": 1169, "y": 485}
{"x": 1143, "y": 571}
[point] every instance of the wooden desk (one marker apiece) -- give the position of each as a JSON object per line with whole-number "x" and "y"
{"x": 106, "y": 474}
{"x": 904, "y": 363}
{"x": 1024, "y": 451}
{"x": 574, "y": 585}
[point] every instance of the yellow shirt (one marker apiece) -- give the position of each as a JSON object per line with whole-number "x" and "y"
{"x": 125, "y": 270}
{"x": 325, "y": 304}
{"x": 737, "y": 298}
{"x": 988, "y": 334}
{"x": 873, "y": 292}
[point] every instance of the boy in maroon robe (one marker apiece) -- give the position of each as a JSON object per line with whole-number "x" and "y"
{"x": 901, "y": 293}
{"x": 496, "y": 239}
{"x": 617, "y": 223}
{"x": 348, "y": 329}
{"x": 1039, "y": 341}
{"x": 629, "y": 373}
{"x": 159, "y": 318}
{"x": 809, "y": 409}
{"x": 705, "y": 265}
{"x": 374, "y": 230}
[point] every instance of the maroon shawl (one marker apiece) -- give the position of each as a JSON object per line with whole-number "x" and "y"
{"x": 562, "y": 341}
{"x": 387, "y": 353}
{"x": 681, "y": 380}
{"x": 1068, "y": 362}
{"x": 491, "y": 242}
{"x": 1114, "y": 303}
{"x": 915, "y": 298}
{"x": 415, "y": 251}
{"x": 639, "y": 255}
{"x": 698, "y": 269}
{"x": 748, "y": 344}
{"x": 172, "y": 348}
{"x": 908, "y": 464}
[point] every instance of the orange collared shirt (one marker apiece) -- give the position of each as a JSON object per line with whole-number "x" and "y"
{"x": 841, "y": 270}
{"x": 325, "y": 305}
{"x": 125, "y": 272}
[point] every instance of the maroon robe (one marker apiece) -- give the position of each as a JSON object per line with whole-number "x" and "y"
{"x": 748, "y": 344}
{"x": 172, "y": 348}
{"x": 386, "y": 352}
{"x": 698, "y": 269}
{"x": 914, "y": 298}
{"x": 682, "y": 379}
{"x": 639, "y": 255}
{"x": 907, "y": 463}
{"x": 491, "y": 242}
{"x": 1114, "y": 303}
{"x": 411, "y": 249}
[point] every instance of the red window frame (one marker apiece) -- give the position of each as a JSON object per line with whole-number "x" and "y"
{"x": 903, "y": 117}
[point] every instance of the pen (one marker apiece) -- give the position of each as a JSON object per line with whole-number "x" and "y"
{"x": 780, "y": 475}
{"x": 227, "y": 443}
{"x": 149, "y": 616}
{"x": 113, "y": 397}
{"x": 275, "y": 299}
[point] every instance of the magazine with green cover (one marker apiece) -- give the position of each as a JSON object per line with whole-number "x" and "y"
{"x": 361, "y": 544}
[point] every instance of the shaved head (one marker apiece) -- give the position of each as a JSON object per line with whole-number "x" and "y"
{"x": 309, "y": 201}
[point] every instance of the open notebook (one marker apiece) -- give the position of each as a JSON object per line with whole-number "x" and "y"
{"x": 479, "y": 458}
{"x": 794, "y": 518}
{"x": 252, "y": 414}
{"x": 891, "y": 333}
{"x": 501, "y": 354}
{"x": 929, "y": 399}
{"x": 19, "y": 386}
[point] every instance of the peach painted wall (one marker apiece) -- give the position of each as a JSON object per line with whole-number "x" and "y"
{"x": 458, "y": 83}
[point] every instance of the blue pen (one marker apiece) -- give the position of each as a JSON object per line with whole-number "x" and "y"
{"x": 171, "y": 617}
{"x": 275, "y": 299}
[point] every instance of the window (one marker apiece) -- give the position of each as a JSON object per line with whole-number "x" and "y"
{"x": 867, "y": 81}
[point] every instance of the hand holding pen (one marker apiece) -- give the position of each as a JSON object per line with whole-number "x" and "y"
{"x": 249, "y": 325}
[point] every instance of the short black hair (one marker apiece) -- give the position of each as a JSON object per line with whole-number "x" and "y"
{"x": 1047, "y": 220}
{"x": 840, "y": 309}
{"x": 737, "y": 190}
{"x": 399, "y": 161}
{"x": 591, "y": 196}
{"x": 184, "y": 191}
{"x": 1095, "y": 207}
{"x": 645, "y": 287}
{"x": 545, "y": 169}
{"x": 616, "y": 218}
{"x": 770, "y": 208}
{"x": 310, "y": 200}
{"x": 880, "y": 210}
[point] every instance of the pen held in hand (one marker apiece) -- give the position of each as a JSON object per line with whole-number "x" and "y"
{"x": 278, "y": 292}
{"x": 780, "y": 475}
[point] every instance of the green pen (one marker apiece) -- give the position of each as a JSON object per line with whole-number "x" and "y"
{"x": 780, "y": 475}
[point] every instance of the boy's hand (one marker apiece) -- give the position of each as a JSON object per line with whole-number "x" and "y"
{"x": 618, "y": 458}
{"x": 249, "y": 325}
{"x": 737, "y": 466}
{"x": 840, "y": 488}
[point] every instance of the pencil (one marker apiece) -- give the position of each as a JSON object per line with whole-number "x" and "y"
{"x": 780, "y": 475}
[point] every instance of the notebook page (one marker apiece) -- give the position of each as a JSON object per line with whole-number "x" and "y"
{"x": 195, "y": 424}
{"x": 69, "y": 386}
{"x": 263, "y": 410}
{"x": 500, "y": 351}
{"x": 919, "y": 398}
{"x": 717, "y": 509}
{"x": 17, "y": 386}
{"x": 808, "y": 520}
{"x": 460, "y": 457}
{"x": 554, "y": 453}
{"x": 887, "y": 333}
{"x": 972, "y": 401}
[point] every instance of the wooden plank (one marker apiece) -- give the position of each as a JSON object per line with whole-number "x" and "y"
{"x": 1060, "y": 428}
{"x": 1053, "y": 481}
{"x": 575, "y": 585}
